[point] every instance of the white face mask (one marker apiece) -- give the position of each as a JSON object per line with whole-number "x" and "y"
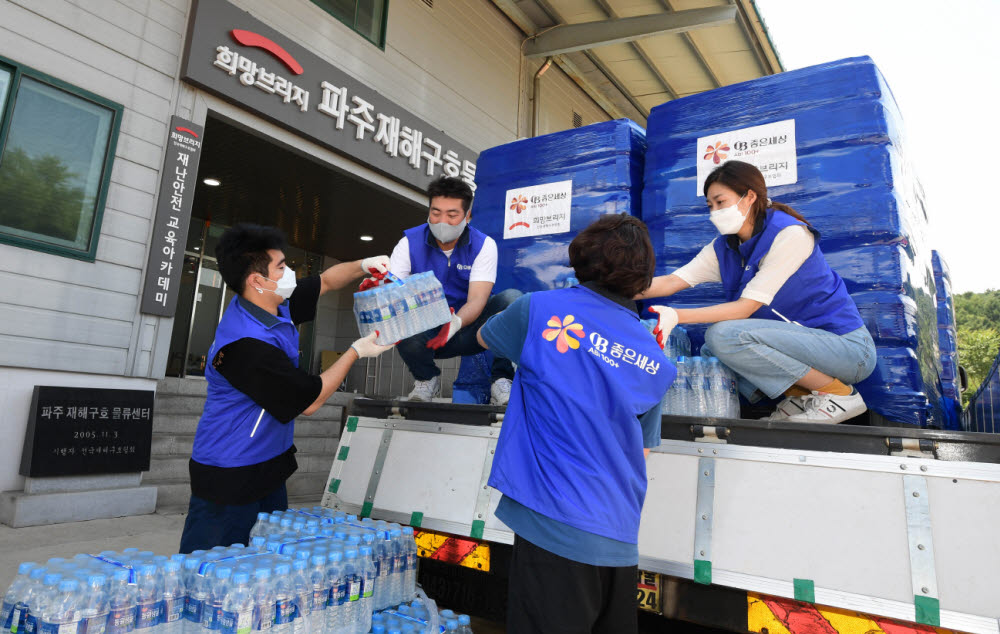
{"x": 728, "y": 220}
{"x": 445, "y": 232}
{"x": 286, "y": 285}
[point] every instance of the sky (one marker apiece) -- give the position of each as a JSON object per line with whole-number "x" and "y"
{"x": 942, "y": 63}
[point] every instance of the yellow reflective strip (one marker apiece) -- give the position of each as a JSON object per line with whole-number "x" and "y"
{"x": 849, "y": 622}
{"x": 761, "y": 619}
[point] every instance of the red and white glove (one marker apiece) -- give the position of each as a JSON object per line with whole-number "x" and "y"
{"x": 447, "y": 332}
{"x": 377, "y": 279}
{"x": 666, "y": 320}
{"x": 377, "y": 265}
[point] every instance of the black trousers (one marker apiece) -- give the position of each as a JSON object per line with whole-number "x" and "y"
{"x": 549, "y": 594}
{"x": 209, "y": 524}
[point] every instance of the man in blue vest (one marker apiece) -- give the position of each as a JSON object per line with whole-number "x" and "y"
{"x": 570, "y": 459}
{"x": 464, "y": 260}
{"x": 243, "y": 451}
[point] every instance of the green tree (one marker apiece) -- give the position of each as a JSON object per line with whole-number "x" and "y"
{"x": 977, "y": 349}
{"x": 35, "y": 196}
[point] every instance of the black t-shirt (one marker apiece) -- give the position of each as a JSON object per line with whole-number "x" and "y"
{"x": 265, "y": 374}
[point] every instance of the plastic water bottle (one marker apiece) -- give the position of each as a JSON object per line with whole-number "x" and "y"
{"x": 320, "y": 592}
{"x": 464, "y": 624}
{"x": 381, "y": 560}
{"x": 451, "y": 625}
{"x": 682, "y": 398}
{"x": 121, "y": 604}
{"x": 60, "y": 614}
{"x": 398, "y": 564}
{"x": 263, "y": 600}
{"x": 336, "y": 596}
{"x": 699, "y": 387}
{"x": 149, "y": 606}
{"x": 365, "y": 555}
{"x": 174, "y": 598}
{"x": 45, "y": 594}
{"x": 94, "y": 604}
{"x": 15, "y": 607}
{"x": 196, "y": 593}
{"x": 260, "y": 528}
{"x": 302, "y": 623}
{"x": 284, "y": 599}
{"x": 410, "y": 574}
{"x": 211, "y": 612}
{"x": 237, "y": 611}
{"x": 354, "y": 579}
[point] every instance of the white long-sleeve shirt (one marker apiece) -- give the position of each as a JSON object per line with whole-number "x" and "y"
{"x": 791, "y": 247}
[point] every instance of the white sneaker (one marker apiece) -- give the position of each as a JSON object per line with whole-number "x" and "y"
{"x": 500, "y": 392}
{"x": 829, "y": 408}
{"x": 426, "y": 390}
{"x": 791, "y": 406}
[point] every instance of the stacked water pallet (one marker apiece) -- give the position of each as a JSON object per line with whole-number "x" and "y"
{"x": 951, "y": 394}
{"x": 831, "y": 146}
{"x": 983, "y": 412}
{"x": 535, "y": 195}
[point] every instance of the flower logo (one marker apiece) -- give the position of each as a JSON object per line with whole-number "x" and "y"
{"x": 715, "y": 152}
{"x": 519, "y": 203}
{"x": 560, "y": 331}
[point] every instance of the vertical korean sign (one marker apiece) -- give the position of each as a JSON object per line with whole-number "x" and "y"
{"x": 173, "y": 216}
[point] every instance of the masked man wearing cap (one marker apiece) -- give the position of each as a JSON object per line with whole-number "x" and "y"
{"x": 243, "y": 451}
{"x": 464, "y": 260}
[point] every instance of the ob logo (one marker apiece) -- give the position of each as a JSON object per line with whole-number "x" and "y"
{"x": 600, "y": 343}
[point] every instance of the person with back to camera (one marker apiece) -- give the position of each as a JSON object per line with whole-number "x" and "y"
{"x": 789, "y": 326}
{"x": 584, "y": 409}
{"x": 243, "y": 451}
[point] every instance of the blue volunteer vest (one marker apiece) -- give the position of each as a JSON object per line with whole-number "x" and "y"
{"x": 426, "y": 255}
{"x": 571, "y": 443}
{"x": 223, "y": 435}
{"x": 814, "y": 296}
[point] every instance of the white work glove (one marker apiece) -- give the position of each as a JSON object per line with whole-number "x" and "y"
{"x": 666, "y": 320}
{"x": 447, "y": 332}
{"x": 377, "y": 266}
{"x": 366, "y": 346}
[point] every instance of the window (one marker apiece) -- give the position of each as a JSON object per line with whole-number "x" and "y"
{"x": 367, "y": 17}
{"x": 57, "y": 143}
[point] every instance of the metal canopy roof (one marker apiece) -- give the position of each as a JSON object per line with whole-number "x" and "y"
{"x": 713, "y": 43}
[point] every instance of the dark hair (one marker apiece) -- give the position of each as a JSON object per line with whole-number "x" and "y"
{"x": 741, "y": 178}
{"x": 451, "y": 187}
{"x": 242, "y": 250}
{"x": 615, "y": 252}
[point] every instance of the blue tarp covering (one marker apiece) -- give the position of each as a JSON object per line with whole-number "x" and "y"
{"x": 604, "y": 161}
{"x": 951, "y": 395}
{"x": 854, "y": 184}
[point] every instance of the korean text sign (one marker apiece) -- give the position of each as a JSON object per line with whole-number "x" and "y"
{"x": 769, "y": 147}
{"x": 85, "y": 431}
{"x": 173, "y": 217}
{"x": 240, "y": 59}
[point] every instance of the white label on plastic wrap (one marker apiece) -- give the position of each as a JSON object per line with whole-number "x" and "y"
{"x": 770, "y": 147}
{"x": 538, "y": 210}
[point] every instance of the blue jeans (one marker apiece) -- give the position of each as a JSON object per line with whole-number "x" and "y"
{"x": 420, "y": 359}
{"x": 209, "y": 524}
{"x": 771, "y": 356}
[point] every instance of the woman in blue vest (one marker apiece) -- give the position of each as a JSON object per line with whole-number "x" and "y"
{"x": 584, "y": 404}
{"x": 788, "y": 327}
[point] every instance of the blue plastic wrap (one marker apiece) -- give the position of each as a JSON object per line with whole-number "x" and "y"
{"x": 605, "y": 162}
{"x": 951, "y": 403}
{"x": 854, "y": 184}
{"x": 472, "y": 385}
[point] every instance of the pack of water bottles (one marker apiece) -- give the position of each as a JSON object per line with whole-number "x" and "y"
{"x": 305, "y": 572}
{"x": 410, "y": 618}
{"x": 402, "y": 309}
{"x": 704, "y": 387}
